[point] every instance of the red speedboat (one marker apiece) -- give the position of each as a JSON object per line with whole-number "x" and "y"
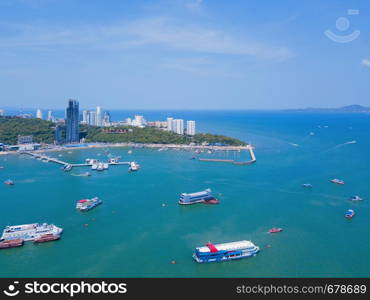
{"x": 11, "y": 243}
{"x": 46, "y": 238}
{"x": 275, "y": 230}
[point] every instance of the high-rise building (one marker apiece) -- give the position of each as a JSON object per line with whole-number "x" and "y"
{"x": 59, "y": 134}
{"x": 2, "y": 112}
{"x": 39, "y": 114}
{"x": 190, "y": 127}
{"x": 138, "y": 121}
{"x": 92, "y": 118}
{"x": 50, "y": 116}
{"x": 85, "y": 117}
{"x": 178, "y": 126}
{"x": 72, "y": 124}
{"x": 169, "y": 124}
{"x": 99, "y": 116}
{"x": 106, "y": 119}
{"x": 128, "y": 121}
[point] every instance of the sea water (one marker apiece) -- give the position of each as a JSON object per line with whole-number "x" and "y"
{"x": 140, "y": 228}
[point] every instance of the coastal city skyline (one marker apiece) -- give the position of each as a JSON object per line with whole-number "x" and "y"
{"x": 185, "y": 54}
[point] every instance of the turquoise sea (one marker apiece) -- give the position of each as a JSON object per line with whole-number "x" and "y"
{"x": 133, "y": 235}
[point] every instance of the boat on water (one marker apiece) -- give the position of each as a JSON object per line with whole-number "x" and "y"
{"x": 47, "y": 238}
{"x": 205, "y": 197}
{"x": 11, "y": 243}
{"x": 356, "y": 198}
{"x": 134, "y": 166}
{"x": 337, "y": 181}
{"x": 87, "y": 204}
{"x": 67, "y": 168}
{"x": 94, "y": 167}
{"x": 307, "y": 185}
{"x": 100, "y": 167}
{"x": 85, "y": 174}
{"x": 91, "y": 161}
{"x": 113, "y": 160}
{"x": 129, "y": 152}
{"x": 349, "y": 214}
{"x": 225, "y": 252}
{"x": 9, "y": 182}
{"x": 105, "y": 166}
{"x": 29, "y": 232}
{"x": 275, "y": 230}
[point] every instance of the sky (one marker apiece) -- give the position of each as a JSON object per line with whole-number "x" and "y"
{"x": 184, "y": 54}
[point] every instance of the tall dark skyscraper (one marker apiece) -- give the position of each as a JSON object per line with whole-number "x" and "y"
{"x": 72, "y": 122}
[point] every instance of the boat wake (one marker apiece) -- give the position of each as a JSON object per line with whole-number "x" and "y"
{"x": 341, "y": 145}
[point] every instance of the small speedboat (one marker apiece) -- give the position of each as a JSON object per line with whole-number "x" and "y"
{"x": 349, "y": 214}
{"x": 100, "y": 167}
{"x": 337, "y": 181}
{"x": 307, "y": 185}
{"x": 67, "y": 168}
{"x": 356, "y": 198}
{"x": 211, "y": 200}
{"x": 9, "y": 182}
{"x": 134, "y": 166}
{"x": 275, "y": 230}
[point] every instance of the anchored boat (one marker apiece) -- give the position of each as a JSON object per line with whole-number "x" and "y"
{"x": 11, "y": 243}
{"x": 337, "y": 181}
{"x": 350, "y": 214}
{"x": 198, "y": 197}
{"x": 307, "y": 185}
{"x": 9, "y": 182}
{"x": 29, "y": 232}
{"x": 356, "y": 198}
{"x": 47, "y": 238}
{"x": 275, "y": 230}
{"x": 67, "y": 168}
{"x": 134, "y": 166}
{"x": 225, "y": 252}
{"x": 87, "y": 204}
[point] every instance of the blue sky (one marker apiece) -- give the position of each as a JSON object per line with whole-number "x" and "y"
{"x": 184, "y": 54}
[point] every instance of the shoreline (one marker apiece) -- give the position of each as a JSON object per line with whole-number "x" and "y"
{"x": 248, "y": 148}
{"x": 136, "y": 145}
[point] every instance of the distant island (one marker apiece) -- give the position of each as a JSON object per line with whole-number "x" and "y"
{"x": 42, "y": 131}
{"x": 355, "y": 108}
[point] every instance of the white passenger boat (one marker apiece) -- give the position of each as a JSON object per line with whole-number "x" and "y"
{"x": 225, "y": 252}
{"x": 29, "y": 232}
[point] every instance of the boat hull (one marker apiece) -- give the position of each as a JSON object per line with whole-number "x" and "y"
{"x": 224, "y": 258}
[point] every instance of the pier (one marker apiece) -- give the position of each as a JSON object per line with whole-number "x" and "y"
{"x": 248, "y": 162}
{"x": 63, "y": 163}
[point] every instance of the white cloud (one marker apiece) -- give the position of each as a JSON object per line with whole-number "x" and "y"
{"x": 366, "y": 62}
{"x": 164, "y": 32}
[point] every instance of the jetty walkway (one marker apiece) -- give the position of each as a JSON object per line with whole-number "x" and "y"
{"x": 248, "y": 162}
{"x": 63, "y": 163}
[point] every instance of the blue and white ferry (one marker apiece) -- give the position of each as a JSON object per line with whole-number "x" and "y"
{"x": 87, "y": 204}
{"x": 225, "y": 252}
{"x": 198, "y": 197}
{"x": 29, "y": 232}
